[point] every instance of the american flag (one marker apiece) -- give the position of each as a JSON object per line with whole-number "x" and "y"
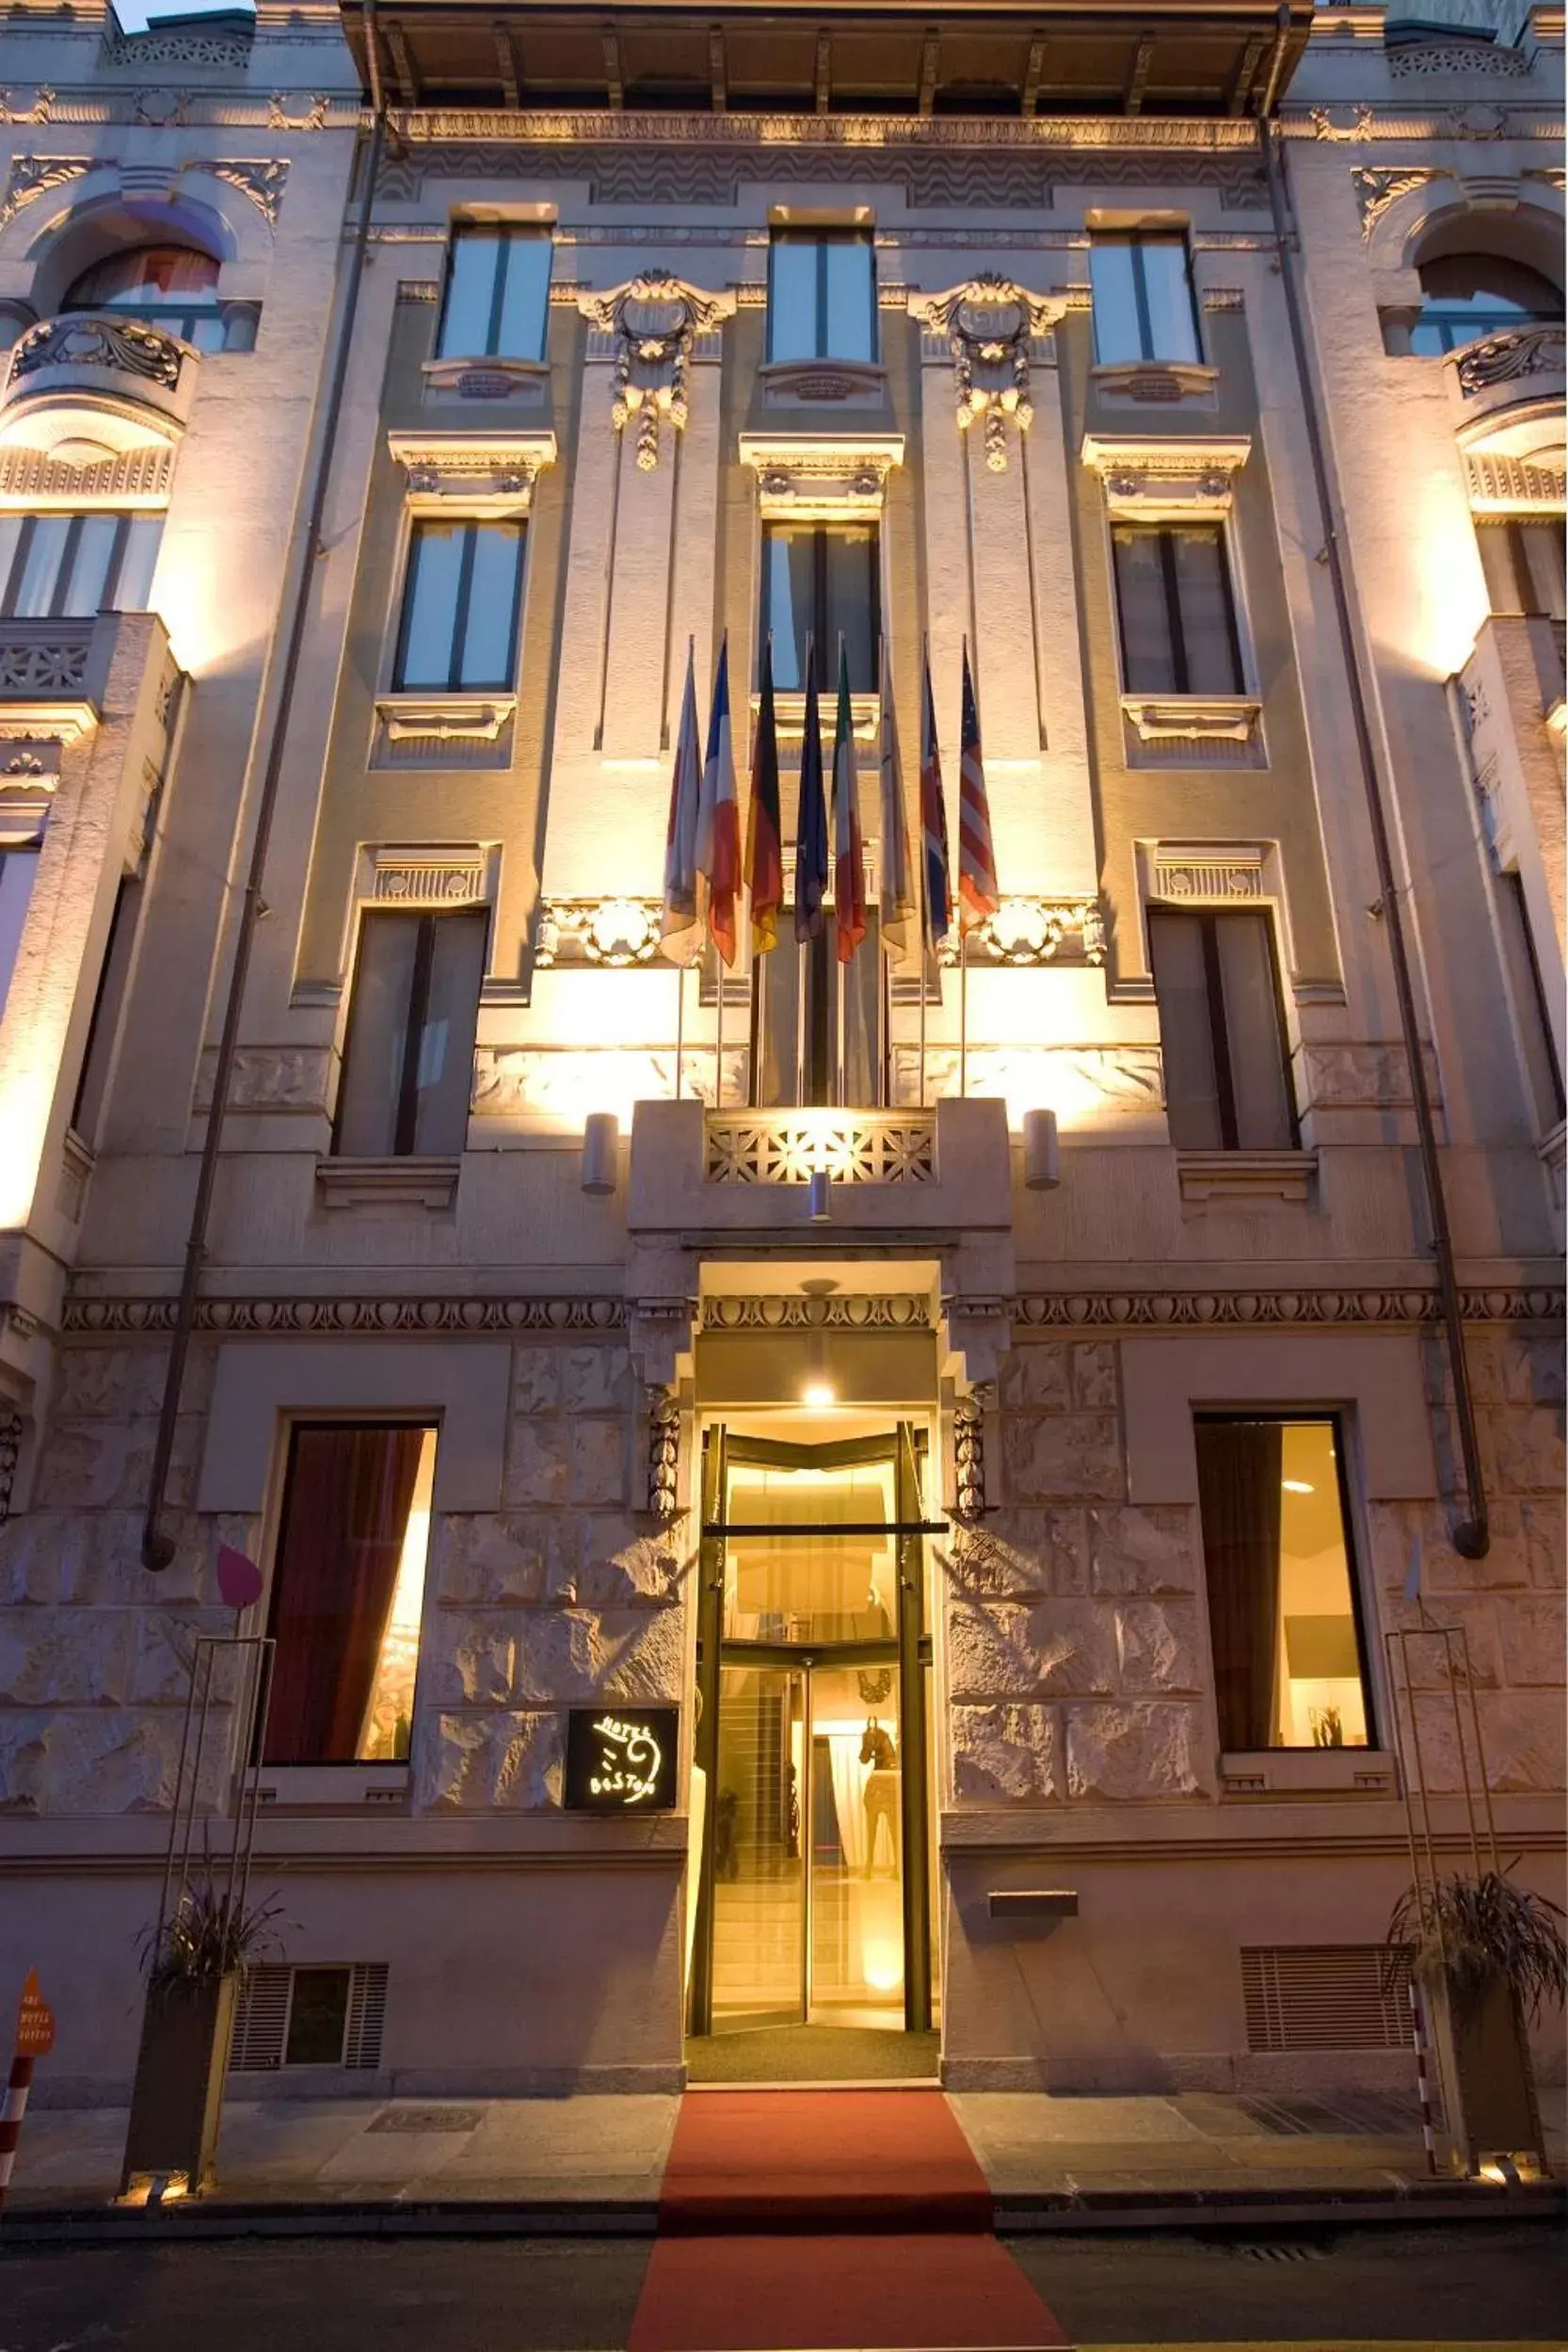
{"x": 977, "y": 864}
{"x": 936, "y": 907}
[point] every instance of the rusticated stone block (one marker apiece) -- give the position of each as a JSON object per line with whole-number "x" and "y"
{"x": 1017, "y": 1553}
{"x": 1534, "y": 1634}
{"x": 538, "y": 1462}
{"x": 535, "y": 1379}
{"x": 472, "y": 1661}
{"x": 1036, "y": 1373}
{"x": 1094, "y": 1377}
{"x": 66, "y": 1658}
{"x": 1000, "y": 1650}
{"x": 1139, "y": 1750}
{"x": 106, "y": 1465}
{"x": 480, "y": 1763}
{"x": 1527, "y": 1450}
{"x": 498, "y": 1563}
{"x": 113, "y": 1760}
{"x": 645, "y": 1571}
{"x": 1157, "y": 1641}
{"x": 1522, "y": 1733}
{"x": 1007, "y": 1753}
{"x": 599, "y": 1462}
{"x": 1397, "y": 1526}
{"x": 1472, "y": 1621}
{"x": 1545, "y": 1539}
{"x": 1066, "y": 1454}
{"x": 1138, "y": 1552}
{"x": 596, "y": 1380}
{"x": 118, "y": 1380}
{"x": 44, "y": 1556}
{"x": 572, "y": 1655}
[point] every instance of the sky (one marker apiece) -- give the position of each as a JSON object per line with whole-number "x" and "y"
{"x": 133, "y": 14}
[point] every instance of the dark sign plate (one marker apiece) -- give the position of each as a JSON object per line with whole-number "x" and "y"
{"x": 621, "y": 1759}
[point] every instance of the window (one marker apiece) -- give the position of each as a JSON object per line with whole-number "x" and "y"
{"x": 171, "y": 286}
{"x": 1523, "y": 562}
{"x": 1177, "y": 611}
{"x": 1531, "y": 1013}
{"x": 347, "y": 1591}
{"x": 795, "y": 1048}
{"x": 69, "y": 566}
{"x": 461, "y": 603}
{"x": 1220, "y": 1032}
{"x": 1290, "y": 1658}
{"x": 17, "y": 872}
{"x": 497, "y": 300}
{"x": 103, "y": 1029}
{"x": 821, "y": 581}
{"x": 409, "y": 1062}
{"x": 1472, "y": 294}
{"x": 1145, "y": 307}
{"x": 821, "y": 294}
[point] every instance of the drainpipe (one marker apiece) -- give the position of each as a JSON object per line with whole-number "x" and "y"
{"x": 157, "y": 1545}
{"x": 1471, "y": 1535}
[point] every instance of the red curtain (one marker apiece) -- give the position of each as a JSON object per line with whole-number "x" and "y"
{"x": 346, "y": 1512}
{"x": 1239, "y": 1499}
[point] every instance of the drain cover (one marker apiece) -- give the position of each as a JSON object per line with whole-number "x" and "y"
{"x": 428, "y": 2120}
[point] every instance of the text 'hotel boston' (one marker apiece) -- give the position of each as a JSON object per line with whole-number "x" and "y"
{"x": 760, "y": 1525}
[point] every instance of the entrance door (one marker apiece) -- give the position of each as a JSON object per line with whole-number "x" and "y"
{"x": 814, "y": 1893}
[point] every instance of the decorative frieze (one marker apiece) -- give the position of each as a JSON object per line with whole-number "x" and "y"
{"x": 269, "y": 1078}
{"x": 125, "y": 346}
{"x": 1379, "y": 185}
{"x": 990, "y": 324}
{"x": 663, "y": 1455}
{"x": 1364, "y": 1076}
{"x": 1384, "y": 1307}
{"x": 262, "y": 183}
{"x": 1508, "y": 359}
{"x": 1459, "y": 60}
{"x": 652, "y": 323}
{"x": 1031, "y": 930}
{"x": 1502, "y": 486}
{"x": 968, "y": 1460}
{"x": 819, "y": 477}
{"x": 411, "y": 1315}
{"x": 32, "y": 176}
{"x": 789, "y": 1147}
{"x": 1145, "y": 478}
{"x": 1221, "y": 878}
{"x": 838, "y": 1311}
{"x": 135, "y": 477}
{"x": 481, "y": 472}
{"x": 38, "y": 668}
{"x": 608, "y": 931}
{"x": 433, "y": 881}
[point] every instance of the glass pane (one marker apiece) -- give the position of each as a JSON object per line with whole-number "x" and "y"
{"x": 787, "y": 600}
{"x": 318, "y": 2017}
{"x": 85, "y": 591}
{"x": 525, "y": 298}
{"x": 1168, "y": 292}
{"x": 825, "y": 1588}
{"x": 430, "y": 604}
{"x": 377, "y": 1034}
{"x": 17, "y": 872}
{"x": 1531, "y": 1016}
{"x": 851, "y": 300}
{"x": 204, "y": 328}
{"x": 41, "y": 568}
{"x": 851, "y": 600}
{"x": 1148, "y": 656}
{"x": 1281, "y": 1599}
{"x": 1258, "y": 1073}
{"x": 490, "y": 631}
{"x": 11, "y": 536}
{"x": 465, "y": 330}
{"x": 855, "y": 1825}
{"x": 792, "y": 300}
{"x": 445, "y": 1067}
{"x": 134, "y": 589}
{"x": 759, "y": 1835}
{"x": 1186, "y": 1033}
{"x": 1208, "y": 630}
{"x": 1117, "y": 335}
{"x": 1540, "y": 545}
{"x": 347, "y": 1592}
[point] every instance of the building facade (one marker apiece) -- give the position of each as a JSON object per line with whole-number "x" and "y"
{"x": 970, "y": 1596}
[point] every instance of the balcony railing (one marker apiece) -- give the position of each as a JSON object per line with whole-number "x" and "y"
{"x": 1510, "y": 390}
{"x": 99, "y": 376}
{"x": 792, "y": 1146}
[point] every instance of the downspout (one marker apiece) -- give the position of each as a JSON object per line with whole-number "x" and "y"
{"x": 1471, "y": 1536}
{"x": 157, "y": 1545}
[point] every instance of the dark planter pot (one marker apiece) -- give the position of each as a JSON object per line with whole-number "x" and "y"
{"x": 1483, "y": 2071}
{"x": 177, "y": 2100}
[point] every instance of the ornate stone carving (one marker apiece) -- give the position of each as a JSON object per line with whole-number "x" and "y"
{"x": 1374, "y": 1076}
{"x": 989, "y": 322}
{"x": 314, "y": 118}
{"x": 822, "y": 476}
{"x": 837, "y": 1312}
{"x": 433, "y": 881}
{"x": 1466, "y": 60}
{"x": 654, "y": 319}
{"x": 136, "y": 477}
{"x": 269, "y": 1078}
{"x": 100, "y": 340}
{"x": 1508, "y": 486}
{"x": 1377, "y": 188}
{"x": 486, "y": 471}
{"x": 377, "y": 1313}
{"x": 612, "y": 931}
{"x": 1224, "y": 877}
{"x": 1144, "y": 475}
{"x": 32, "y": 176}
{"x": 968, "y": 1459}
{"x": 263, "y": 182}
{"x": 663, "y": 1455}
{"x": 853, "y": 1147}
{"x": 1504, "y": 359}
{"x": 1137, "y": 1310}
{"x": 1030, "y": 930}
{"x": 54, "y": 663}
{"x": 10, "y": 1453}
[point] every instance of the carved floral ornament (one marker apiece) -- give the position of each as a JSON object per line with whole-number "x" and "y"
{"x": 478, "y": 471}
{"x": 1151, "y": 477}
{"x": 654, "y": 319}
{"x": 989, "y": 322}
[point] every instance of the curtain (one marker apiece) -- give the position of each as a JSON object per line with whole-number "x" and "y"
{"x": 345, "y": 1514}
{"x": 1238, "y": 1496}
{"x": 849, "y": 1794}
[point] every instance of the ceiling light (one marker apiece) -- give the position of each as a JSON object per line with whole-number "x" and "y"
{"x": 1297, "y": 1486}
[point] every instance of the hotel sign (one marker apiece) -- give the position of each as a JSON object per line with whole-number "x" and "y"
{"x": 621, "y": 1759}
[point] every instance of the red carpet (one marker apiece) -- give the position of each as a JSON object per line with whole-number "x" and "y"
{"x": 821, "y": 2160}
{"x": 815, "y": 2294}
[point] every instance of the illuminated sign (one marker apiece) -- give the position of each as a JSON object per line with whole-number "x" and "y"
{"x": 621, "y": 1759}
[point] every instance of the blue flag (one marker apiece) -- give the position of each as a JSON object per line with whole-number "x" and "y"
{"x": 811, "y": 825}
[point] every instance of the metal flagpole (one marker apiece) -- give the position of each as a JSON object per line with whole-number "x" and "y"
{"x": 718, "y": 1035}
{"x": 963, "y": 1006}
{"x": 920, "y": 960}
{"x": 679, "y": 1024}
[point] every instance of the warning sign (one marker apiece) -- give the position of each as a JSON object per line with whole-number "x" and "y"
{"x": 35, "y": 2022}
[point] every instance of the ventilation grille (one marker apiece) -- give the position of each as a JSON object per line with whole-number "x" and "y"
{"x": 262, "y": 2020}
{"x": 1325, "y": 1996}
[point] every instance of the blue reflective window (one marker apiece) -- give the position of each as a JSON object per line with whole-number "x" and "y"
{"x": 462, "y": 599}
{"x": 497, "y": 299}
{"x": 821, "y": 294}
{"x": 1145, "y": 307}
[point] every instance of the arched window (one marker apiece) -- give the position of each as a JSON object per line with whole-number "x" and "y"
{"x": 172, "y": 286}
{"x": 1469, "y": 294}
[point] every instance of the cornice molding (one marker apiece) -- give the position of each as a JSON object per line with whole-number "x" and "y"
{"x": 1384, "y": 1308}
{"x": 358, "y": 1317}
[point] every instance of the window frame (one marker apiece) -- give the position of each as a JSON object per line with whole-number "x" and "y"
{"x": 1284, "y": 1416}
{"x": 1208, "y": 918}
{"x": 469, "y": 525}
{"x": 406, "y": 1115}
{"x": 1218, "y": 524}
{"x": 505, "y": 235}
{"x": 1138, "y": 241}
{"x": 789, "y": 233}
{"x": 73, "y": 517}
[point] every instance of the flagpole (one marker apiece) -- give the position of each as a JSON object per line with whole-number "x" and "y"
{"x": 679, "y": 1024}
{"x": 963, "y": 1006}
{"x": 925, "y": 903}
{"x": 841, "y": 968}
{"x": 718, "y": 1036}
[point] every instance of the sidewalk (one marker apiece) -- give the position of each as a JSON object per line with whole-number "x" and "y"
{"x": 560, "y": 2166}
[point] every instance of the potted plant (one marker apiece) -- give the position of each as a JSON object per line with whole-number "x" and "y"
{"x": 1487, "y": 1955}
{"x": 196, "y": 1968}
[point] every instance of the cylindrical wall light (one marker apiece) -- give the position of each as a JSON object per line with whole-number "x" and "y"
{"x": 600, "y": 1149}
{"x": 819, "y": 1196}
{"x": 1042, "y": 1151}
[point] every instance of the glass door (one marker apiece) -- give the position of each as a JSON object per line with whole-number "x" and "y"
{"x": 857, "y": 1901}
{"x": 760, "y": 1832}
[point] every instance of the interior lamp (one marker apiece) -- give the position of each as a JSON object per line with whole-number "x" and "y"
{"x": 601, "y": 1143}
{"x": 1042, "y": 1151}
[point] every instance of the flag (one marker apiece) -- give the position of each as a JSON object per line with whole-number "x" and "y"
{"x": 718, "y": 822}
{"x": 897, "y": 896}
{"x": 764, "y": 868}
{"x": 849, "y": 856}
{"x": 680, "y": 934}
{"x": 811, "y": 827}
{"x": 934, "y": 826}
{"x": 977, "y": 864}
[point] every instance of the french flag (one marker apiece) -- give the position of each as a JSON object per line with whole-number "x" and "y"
{"x": 718, "y": 822}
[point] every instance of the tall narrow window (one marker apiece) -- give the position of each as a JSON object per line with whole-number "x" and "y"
{"x": 70, "y": 566}
{"x": 409, "y": 1061}
{"x": 461, "y": 603}
{"x": 497, "y": 298}
{"x": 1145, "y": 307}
{"x": 17, "y": 872}
{"x": 1220, "y": 1032}
{"x": 1290, "y": 1652}
{"x": 821, "y": 294}
{"x": 1177, "y": 611}
{"x": 104, "y": 1031}
{"x": 1524, "y": 566}
{"x": 1532, "y": 1016}
{"x": 821, "y": 581}
{"x": 348, "y": 1591}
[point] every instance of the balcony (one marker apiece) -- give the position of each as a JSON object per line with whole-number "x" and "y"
{"x": 48, "y": 680}
{"x": 1508, "y": 390}
{"x": 96, "y": 384}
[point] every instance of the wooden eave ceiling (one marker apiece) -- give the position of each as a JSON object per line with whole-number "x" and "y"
{"x": 986, "y": 59}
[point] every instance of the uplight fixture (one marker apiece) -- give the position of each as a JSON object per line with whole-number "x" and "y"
{"x": 1042, "y": 1151}
{"x": 601, "y": 1139}
{"x": 818, "y": 1394}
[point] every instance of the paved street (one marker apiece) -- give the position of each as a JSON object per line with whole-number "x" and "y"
{"x": 1494, "y": 2284}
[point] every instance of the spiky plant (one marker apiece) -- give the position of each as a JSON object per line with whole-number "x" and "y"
{"x": 1474, "y": 1933}
{"x": 209, "y": 1937}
